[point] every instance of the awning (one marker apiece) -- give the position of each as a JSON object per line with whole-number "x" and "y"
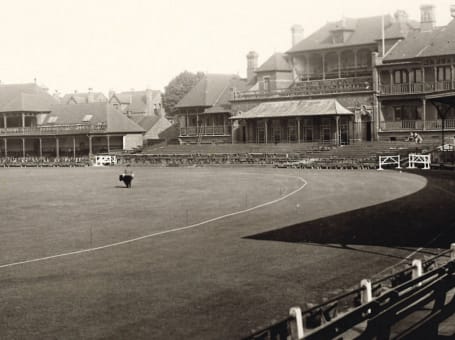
{"x": 295, "y": 108}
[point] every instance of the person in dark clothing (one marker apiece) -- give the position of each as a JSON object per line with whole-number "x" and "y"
{"x": 127, "y": 176}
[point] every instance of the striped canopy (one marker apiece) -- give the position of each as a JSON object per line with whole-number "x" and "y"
{"x": 295, "y": 108}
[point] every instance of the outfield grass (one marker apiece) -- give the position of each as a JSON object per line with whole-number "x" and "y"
{"x": 217, "y": 280}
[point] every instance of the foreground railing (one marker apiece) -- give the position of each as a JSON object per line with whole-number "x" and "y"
{"x": 376, "y": 307}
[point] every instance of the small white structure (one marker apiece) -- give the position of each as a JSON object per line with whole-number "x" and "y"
{"x": 419, "y": 159}
{"x": 389, "y": 160}
{"x": 105, "y": 160}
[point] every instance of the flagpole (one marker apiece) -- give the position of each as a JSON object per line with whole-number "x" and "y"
{"x": 383, "y": 35}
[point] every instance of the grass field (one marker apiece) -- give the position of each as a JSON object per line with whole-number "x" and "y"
{"x": 215, "y": 280}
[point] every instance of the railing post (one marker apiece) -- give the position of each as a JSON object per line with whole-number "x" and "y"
{"x": 366, "y": 295}
{"x": 416, "y": 268}
{"x": 297, "y": 323}
{"x": 399, "y": 163}
{"x": 452, "y": 254}
{"x": 380, "y": 163}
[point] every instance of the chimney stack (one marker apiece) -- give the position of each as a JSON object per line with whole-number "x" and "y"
{"x": 150, "y": 109}
{"x": 401, "y": 16}
{"x": 90, "y": 96}
{"x": 427, "y": 18}
{"x": 252, "y": 65}
{"x": 297, "y": 34}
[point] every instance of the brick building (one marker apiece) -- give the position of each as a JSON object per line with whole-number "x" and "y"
{"x": 392, "y": 73}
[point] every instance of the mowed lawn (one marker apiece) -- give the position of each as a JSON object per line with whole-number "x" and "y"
{"x": 214, "y": 281}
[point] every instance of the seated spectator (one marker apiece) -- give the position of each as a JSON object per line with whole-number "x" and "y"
{"x": 418, "y": 138}
{"x": 410, "y": 138}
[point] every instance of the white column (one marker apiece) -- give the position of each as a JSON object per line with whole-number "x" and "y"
{"x": 74, "y": 147}
{"x": 265, "y": 131}
{"x": 337, "y": 132}
{"x": 57, "y": 147}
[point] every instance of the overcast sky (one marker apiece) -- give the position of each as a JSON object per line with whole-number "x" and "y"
{"x": 111, "y": 44}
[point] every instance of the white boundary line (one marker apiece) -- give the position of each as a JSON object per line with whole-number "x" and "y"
{"x": 111, "y": 245}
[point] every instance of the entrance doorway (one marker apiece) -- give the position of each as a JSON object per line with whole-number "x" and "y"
{"x": 308, "y": 134}
{"x": 344, "y": 134}
{"x": 368, "y": 131}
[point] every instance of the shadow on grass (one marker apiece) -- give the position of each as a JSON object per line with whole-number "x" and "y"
{"x": 423, "y": 219}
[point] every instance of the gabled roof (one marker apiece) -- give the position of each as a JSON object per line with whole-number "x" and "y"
{"x": 438, "y": 42}
{"x": 212, "y": 90}
{"x": 137, "y": 100}
{"x": 364, "y": 31}
{"x": 397, "y": 30}
{"x": 295, "y": 108}
{"x": 25, "y": 97}
{"x": 154, "y": 125}
{"x": 83, "y": 97}
{"x": 116, "y": 121}
{"x": 277, "y": 62}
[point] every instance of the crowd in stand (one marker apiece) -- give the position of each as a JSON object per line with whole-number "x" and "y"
{"x": 249, "y": 159}
{"x": 31, "y": 161}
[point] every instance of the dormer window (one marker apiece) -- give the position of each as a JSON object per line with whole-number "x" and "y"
{"x": 338, "y": 37}
{"x": 87, "y": 118}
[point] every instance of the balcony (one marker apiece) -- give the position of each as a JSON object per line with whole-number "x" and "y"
{"x": 214, "y": 130}
{"x": 53, "y": 130}
{"x": 415, "y": 88}
{"x": 312, "y": 88}
{"x": 417, "y": 125}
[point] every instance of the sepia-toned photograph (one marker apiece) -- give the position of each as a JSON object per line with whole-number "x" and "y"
{"x": 208, "y": 170}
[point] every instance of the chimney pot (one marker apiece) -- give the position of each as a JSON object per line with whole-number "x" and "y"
{"x": 297, "y": 34}
{"x": 252, "y": 64}
{"x": 427, "y": 18}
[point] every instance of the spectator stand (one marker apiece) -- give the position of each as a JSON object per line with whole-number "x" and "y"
{"x": 417, "y": 299}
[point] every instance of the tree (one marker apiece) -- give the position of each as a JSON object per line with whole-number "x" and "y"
{"x": 178, "y": 88}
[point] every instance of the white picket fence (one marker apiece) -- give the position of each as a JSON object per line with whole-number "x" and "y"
{"x": 413, "y": 160}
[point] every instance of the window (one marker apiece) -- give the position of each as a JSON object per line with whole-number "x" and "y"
{"x": 400, "y": 76}
{"x": 337, "y": 37}
{"x": 87, "y": 118}
{"x": 407, "y": 112}
{"x": 416, "y": 75}
{"x": 397, "y": 110}
{"x": 443, "y": 73}
{"x": 266, "y": 84}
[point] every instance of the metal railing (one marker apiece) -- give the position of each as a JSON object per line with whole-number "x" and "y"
{"x": 312, "y": 87}
{"x": 421, "y": 87}
{"x": 209, "y": 130}
{"x": 411, "y": 125}
{"x": 376, "y": 306}
{"x": 52, "y": 129}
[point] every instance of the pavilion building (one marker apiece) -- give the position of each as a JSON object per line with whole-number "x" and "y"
{"x": 32, "y": 123}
